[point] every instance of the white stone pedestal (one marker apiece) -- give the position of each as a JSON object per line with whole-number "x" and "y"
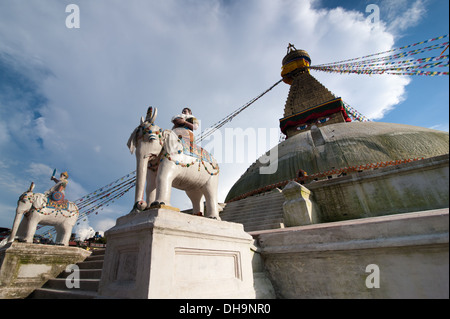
{"x": 161, "y": 253}
{"x": 26, "y": 266}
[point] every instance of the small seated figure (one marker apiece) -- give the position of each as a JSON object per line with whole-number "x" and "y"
{"x": 184, "y": 124}
{"x": 57, "y": 192}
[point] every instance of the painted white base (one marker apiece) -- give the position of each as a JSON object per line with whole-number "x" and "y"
{"x": 161, "y": 253}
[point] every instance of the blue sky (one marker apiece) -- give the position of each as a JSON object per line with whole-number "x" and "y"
{"x": 70, "y": 98}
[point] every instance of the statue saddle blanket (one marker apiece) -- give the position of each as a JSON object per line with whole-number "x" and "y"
{"x": 191, "y": 149}
{"x": 60, "y": 204}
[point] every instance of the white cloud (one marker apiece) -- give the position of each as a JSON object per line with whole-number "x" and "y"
{"x": 39, "y": 170}
{"x": 74, "y": 190}
{"x": 440, "y": 127}
{"x": 401, "y": 14}
{"x": 104, "y": 224}
{"x": 83, "y": 231}
{"x": 12, "y": 185}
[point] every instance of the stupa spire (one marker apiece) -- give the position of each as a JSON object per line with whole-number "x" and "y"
{"x": 309, "y": 102}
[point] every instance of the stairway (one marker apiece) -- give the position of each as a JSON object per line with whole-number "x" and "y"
{"x": 259, "y": 212}
{"x": 90, "y": 275}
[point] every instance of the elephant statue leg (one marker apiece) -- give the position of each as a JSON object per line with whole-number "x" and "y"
{"x": 164, "y": 180}
{"x": 30, "y": 230}
{"x": 23, "y": 228}
{"x": 210, "y": 192}
{"x": 151, "y": 186}
{"x": 59, "y": 234}
{"x": 63, "y": 234}
{"x": 196, "y": 199}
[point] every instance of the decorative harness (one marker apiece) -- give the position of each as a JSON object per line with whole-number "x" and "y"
{"x": 58, "y": 207}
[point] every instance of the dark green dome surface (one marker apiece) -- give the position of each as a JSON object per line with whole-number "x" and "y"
{"x": 344, "y": 145}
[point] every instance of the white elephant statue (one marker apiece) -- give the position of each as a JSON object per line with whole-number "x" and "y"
{"x": 37, "y": 208}
{"x": 165, "y": 160}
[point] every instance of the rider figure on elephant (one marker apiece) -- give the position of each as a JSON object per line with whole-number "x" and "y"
{"x": 58, "y": 191}
{"x": 184, "y": 124}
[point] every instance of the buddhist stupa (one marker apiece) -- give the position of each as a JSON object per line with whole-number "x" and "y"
{"x": 309, "y": 102}
{"x": 323, "y": 142}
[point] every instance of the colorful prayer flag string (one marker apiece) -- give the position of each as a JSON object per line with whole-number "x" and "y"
{"x": 389, "y": 51}
{"x": 394, "y": 64}
{"x": 100, "y": 198}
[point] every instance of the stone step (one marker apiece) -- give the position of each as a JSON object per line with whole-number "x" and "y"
{"x": 90, "y": 272}
{"x": 48, "y": 293}
{"x": 257, "y": 212}
{"x": 274, "y": 192}
{"x": 266, "y": 207}
{"x": 275, "y": 208}
{"x": 251, "y": 223}
{"x": 95, "y": 258}
{"x": 98, "y": 251}
{"x": 252, "y": 219}
{"x": 95, "y": 264}
{"x": 84, "y": 274}
{"x": 253, "y": 213}
{"x": 261, "y": 202}
{"x": 263, "y": 222}
{"x": 84, "y": 284}
{"x": 260, "y": 205}
{"x": 273, "y": 225}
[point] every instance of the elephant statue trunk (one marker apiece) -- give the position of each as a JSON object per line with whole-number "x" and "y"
{"x": 141, "y": 176}
{"x": 15, "y": 225}
{"x": 22, "y": 207}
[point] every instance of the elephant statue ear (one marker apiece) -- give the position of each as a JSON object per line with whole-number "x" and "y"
{"x": 132, "y": 141}
{"x": 151, "y": 114}
{"x": 171, "y": 142}
{"x": 39, "y": 200}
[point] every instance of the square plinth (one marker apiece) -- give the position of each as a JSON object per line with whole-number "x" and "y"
{"x": 161, "y": 253}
